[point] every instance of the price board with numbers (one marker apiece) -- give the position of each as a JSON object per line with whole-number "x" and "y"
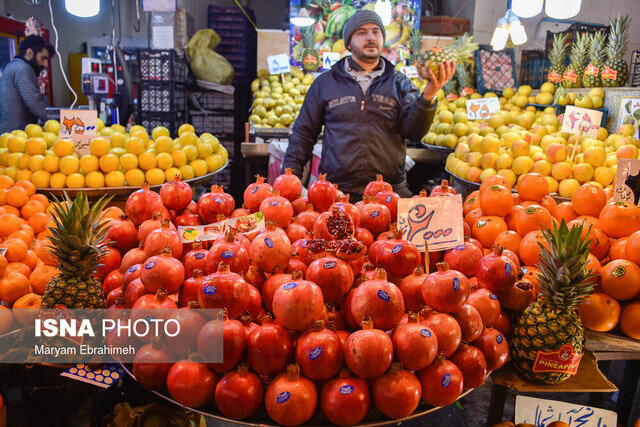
{"x": 581, "y": 120}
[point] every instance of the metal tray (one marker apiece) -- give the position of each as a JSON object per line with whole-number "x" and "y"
{"x": 438, "y": 149}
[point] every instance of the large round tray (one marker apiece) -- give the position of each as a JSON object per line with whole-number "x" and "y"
{"x": 438, "y": 149}
{"x": 374, "y": 418}
{"x": 120, "y": 191}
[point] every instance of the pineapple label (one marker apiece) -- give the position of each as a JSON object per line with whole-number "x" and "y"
{"x": 570, "y": 76}
{"x": 563, "y": 361}
{"x": 591, "y": 70}
{"x": 554, "y": 77}
{"x": 609, "y": 73}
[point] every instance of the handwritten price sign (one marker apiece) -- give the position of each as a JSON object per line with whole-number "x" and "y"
{"x": 627, "y": 184}
{"x": 80, "y": 126}
{"x": 581, "y": 120}
{"x": 482, "y": 108}
{"x": 434, "y": 220}
{"x": 542, "y": 412}
{"x": 278, "y": 64}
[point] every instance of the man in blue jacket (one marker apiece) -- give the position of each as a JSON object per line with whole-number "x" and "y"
{"x": 20, "y": 99}
{"x": 368, "y": 109}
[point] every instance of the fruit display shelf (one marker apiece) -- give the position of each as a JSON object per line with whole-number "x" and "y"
{"x": 122, "y": 191}
{"x": 373, "y": 419}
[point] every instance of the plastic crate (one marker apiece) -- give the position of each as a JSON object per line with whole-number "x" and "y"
{"x": 532, "y": 68}
{"x": 222, "y": 126}
{"x": 214, "y": 101}
{"x": 171, "y": 121}
{"x": 495, "y": 71}
{"x": 574, "y": 29}
{"x": 634, "y": 75}
{"x": 224, "y": 15}
{"x": 162, "y": 97}
{"x": 163, "y": 65}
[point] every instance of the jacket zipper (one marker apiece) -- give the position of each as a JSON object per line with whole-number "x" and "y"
{"x": 362, "y": 106}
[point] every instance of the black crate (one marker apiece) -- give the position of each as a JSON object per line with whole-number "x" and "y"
{"x": 532, "y": 68}
{"x": 163, "y": 65}
{"x": 171, "y": 121}
{"x": 574, "y": 29}
{"x": 220, "y": 125}
{"x": 162, "y": 97}
{"x": 634, "y": 76}
{"x": 212, "y": 100}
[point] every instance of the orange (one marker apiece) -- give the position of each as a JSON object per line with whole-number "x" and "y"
{"x": 3, "y": 196}
{"x": 510, "y": 219}
{"x": 621, "y": 279}
{"x": 599, "y": 312}
{"x": 517, "y": 200}
{"x": 30, "y": 208}
{"x": 30, "y": 259}
{"x": 17, "y": 196}
{"x": 632, "y": 248}
{"x": 533, "y": 186}
{"x": 548, "y": 203}
{"x": 487, "y": 228}
{"x": 609, "y": 193}
{"x": 25, "y": 309}
{"x": 16, "y": 249}
{"x": 471, "y": 202}
{"x": 532, "y": 218}
{"x": 588, "y": 200}
{"x": 18, "y": 267}
{"x": 27, "y": 185}
{"x": 40, "y": 248}
{"x": 564, "y": 211}
{"x": 618, "y": 249}
{"x": 473, "y": 216}
{"x": 3, "y": 264}
{"x": 38, "y": 222}
{"x": 41, "y": 276}
{"x": 530, "y": 274}
{"x": 6, "y": 182}
{"x": 495, "y": 180}
{"x": 596, "y": 269}
{"x": 630, "y": 320}
{"x": 509, "y": 240}
{"x": 26, "y": 236}
{"x": 113, "y": 212}
{"x": 496, "y": 200}
{"x": 8, "y": 224}
{"x": 13, "y": 286}
{"x": 529, "y": 251}
{"x": 619, "y": 219}
{"x": 11, "y": 210}
{"x": 6, "y": 324}
{"x": 40, "y": 198}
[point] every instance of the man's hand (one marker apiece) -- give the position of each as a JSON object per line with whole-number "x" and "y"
{"x": 434, "y": 84}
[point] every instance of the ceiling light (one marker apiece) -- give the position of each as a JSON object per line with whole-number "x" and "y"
{"x": 302, "y": 19}
{"x": 385, "y": 10}
{"x": 562, "y": 9}
{"x": 516, "y": 30}
{"x": 82, "y": 8}
{"x": 500, "y": 35}
{"x": 526, "y": 8}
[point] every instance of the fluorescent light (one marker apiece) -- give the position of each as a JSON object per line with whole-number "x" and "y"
{"x": 562, "y": 9}
{"x": 500, "y": 35}
{"x": 518, "y": 33}
{"x": 385, "y": 10}
{"x": 82, "y": 8}
{"x": 302, "y": 19}
{"x": 526, "y": 8}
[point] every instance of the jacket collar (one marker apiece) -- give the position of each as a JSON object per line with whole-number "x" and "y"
{"x": 339, "y": 67}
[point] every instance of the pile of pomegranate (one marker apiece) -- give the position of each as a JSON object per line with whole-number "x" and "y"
{"x": 328, "y": 306}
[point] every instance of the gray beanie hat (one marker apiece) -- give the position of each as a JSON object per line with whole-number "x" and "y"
{"x": 357, "y": 20}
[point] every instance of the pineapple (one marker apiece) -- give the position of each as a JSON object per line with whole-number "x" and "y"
{"x": 310, "y": 57}
{"x": 551, "y": 323}
{"x": 77, "y": 243}
{"x": 557, "y": 54}
{"x": 464, "y": 80}
{"x": 591, "y": 75}
{"x": 415, "y": 45}
{"x": 572, "y": 76}
{"x": 460, "y": 51}
{"x": 615, "y": 70}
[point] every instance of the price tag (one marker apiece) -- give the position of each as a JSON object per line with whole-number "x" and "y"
{"x": 329, "y": 58}
{"x": 434, "y": 220}
{"x": 80, "y": 126}
{"x": 482, "y": 108}
{"x": 279, "y": 64}
{"x": 581, "y": 120}
{"x": 627, "y": 183}
{"x": 542, "y": 412}
{"x": 410, "y": 71}
{"x": 247, "y": 225}
{"x": 201, "y": 233}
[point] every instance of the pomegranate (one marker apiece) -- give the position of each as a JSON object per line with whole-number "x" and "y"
{"x": 278, "y": 210}
{"x": 332, "y": 275}
{"x": 470, "y": 322}
{"x": 113, "y": 296}
{"x": 290, "y": 398}
{"x": 487, "y": 305}
{"x": 190, "y": 383}
{"x": 369, "y": 351}
{"x": 411, "y": 288}
{"x": 374, "y": 187}
{"x": 224, "y": 289}
{"x": 398, "y": 257}
{"x": 254, "y": 302}
{"x": 518, "y": 297}
{"x": 363, "y": 235}
{"x": 176, "y": 194}
{"x": 142, "y": 204}
{"x": 379, "y": 300}
{"x": 397, "y": 393}
{"x": 273, "y": 283}
{"x": 192, "y": 207}
{"x": 133, "y": 257}
{"x": 445, "y": 290}
{"x": 158, "y": 239}
{"x": 239, "y": 393}
{"x": 415, "y": 345}
{"x": 150, "y": 367}
{"x": 472, "y": 365}
{"x": 234, "y": 342}
{"x": 307, "y": 218}
{"x": 446, "y": 329}
{"x": 123, "y": 234}
{"x": 152, "y": 224}
{"x": 374, "y": 217}
{"x": 443, "y": 189}
{"x": 271, "y": 249}
{"x": 390, "y": 200}
{"x": 333, "y": 225}
{"x": 344, "y": 206}
{"x": 189, "y": 290}
{"x": 162, "y": 271}
{"x": 112, "y": 281}
{"x": 255, "y": 193}
{"x": 237, "y": 237}
{"x": 336, "y": 321}
{"x": 299, "y": 249}
{"x": 494, "y": 347}
{"x": 135, "y": 290}
{"x": 496, "y": 272}
{"x": 319, "y": 352}
{"x": 434, "y": 259}
{"x": 345, "y": 400}
{"x": 191, "y": 322}
{"x": 503, "y": 324}
{"x": 300, "y": 204}
{"x": 463, "y": 258}
{"x": 254, "y": 276}
{"x": 298, "y": 304}
{"x": 296, "y": 264}
{"x": 368, "y": 272}
{"x": 240, "y": 212}
{"x": 228, "y": 252}
{"x": 441, "y": 382}
{"x": 195, "y": 259}
{"x": 512, "y": 256}
{"x": 423, "y": 193}
{"x": 109, "y": 261}
{"x": 296, "y": 232}
{"x": 159, "y": 300}
{"x": 187, "y": 218}
{"x": 288, "y": 185}
{"x": 269, "y": 348}
{"x": 321, "y": 194}
{"x": 248, "y": 325}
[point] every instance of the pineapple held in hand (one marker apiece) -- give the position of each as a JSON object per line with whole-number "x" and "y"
{"x": 591, "y": 75}
{"x": 460, "y": 51}
{"x": 615, "y": 71}
{"x": 551, "y": 323}
{"x": 77, "y": 243}
{"x": 572, "y": 76}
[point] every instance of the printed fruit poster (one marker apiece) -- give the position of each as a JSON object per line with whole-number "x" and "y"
{"x": 629, "y": 114}
{"x": 326, "y": 34}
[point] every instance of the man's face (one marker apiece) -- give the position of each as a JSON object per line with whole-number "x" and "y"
{"x": 366, "y": 42}
{"x": 42, "y": 58}
{"x": 38, "y": 61}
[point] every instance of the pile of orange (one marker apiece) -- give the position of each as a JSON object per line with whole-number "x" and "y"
{"x": 495, "y": 215}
